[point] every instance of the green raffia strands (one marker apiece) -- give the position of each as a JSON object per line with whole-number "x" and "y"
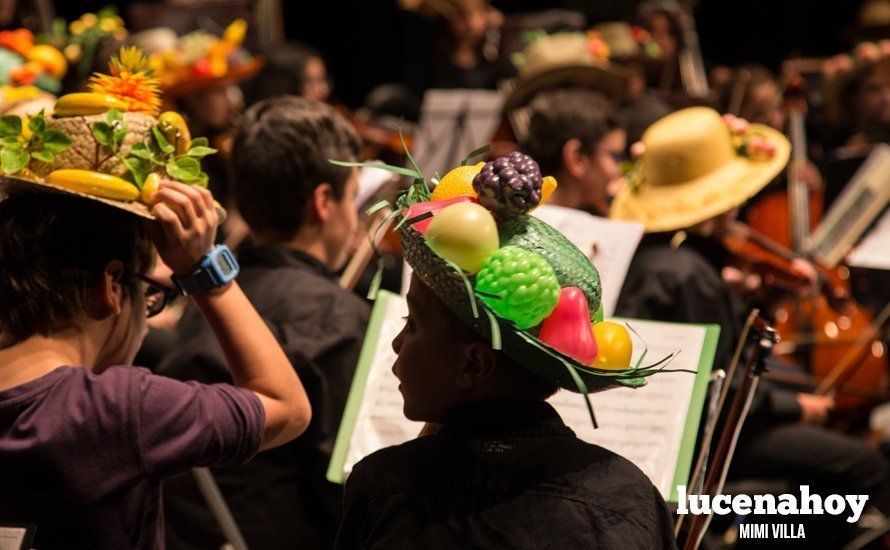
{"x": 411, "y": 160}
{"x": 579, "y": 383}
{"x": 379, "y": 165}
{"x": 495, "y": 329}
{"x": 411, "y": 221}
{"x": 475, "y": 153}
{"x": 377, "y": 207}
{"x": 468, "y": 284}
{"x": 374, "y": 289}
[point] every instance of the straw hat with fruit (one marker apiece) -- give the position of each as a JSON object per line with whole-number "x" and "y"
{"x": 511, "y": 277}
{"x": 199, "y": 60}
{"x": 29, "y": 73}
{"x": 108, "y": 144}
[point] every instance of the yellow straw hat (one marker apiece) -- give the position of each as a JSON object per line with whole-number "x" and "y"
{"x": 694, "y": 165}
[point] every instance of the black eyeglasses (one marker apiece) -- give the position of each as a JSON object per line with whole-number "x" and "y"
{"x": 157, "y": 295}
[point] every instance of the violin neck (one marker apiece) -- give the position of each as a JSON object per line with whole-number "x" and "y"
{"x": 798, "y": 193}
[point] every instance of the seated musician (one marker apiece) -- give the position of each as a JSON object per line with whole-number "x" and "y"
{"x": 686, "y": 189}
{"x": 503, "y": 471}
{"x": 302, "y": 218}
{"x": 576, "y": 135}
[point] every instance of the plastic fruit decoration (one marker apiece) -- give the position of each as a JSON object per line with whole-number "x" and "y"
{"x": 87, "y": 103}
{"x": 548, "y": 186}
{"x": 457, "y": 183}
{"x": 97, "y": 184}
{"x": 509, "y": 186}
{"x": 433, "y": 207}
{"x": 149, "y": 188}
{"x": 176, "y": 131}
{"x": 615, "y": 346}
{"x": 463, "y": 233}
{"x": 519, "y": 285}
{"x": 568, "y": 329}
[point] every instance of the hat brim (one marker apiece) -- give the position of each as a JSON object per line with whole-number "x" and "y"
{"x": 10, "y": 185}
{"x": 543, "y": 360}
{"x": 237, "y": 74}
{"x": 671, "y": 207}
{"x": 610, "y": 79}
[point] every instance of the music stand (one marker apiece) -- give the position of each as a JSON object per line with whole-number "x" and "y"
{"x": 452, "y": 124}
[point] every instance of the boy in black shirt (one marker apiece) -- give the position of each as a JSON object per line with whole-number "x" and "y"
{"x": 502, "y": 470}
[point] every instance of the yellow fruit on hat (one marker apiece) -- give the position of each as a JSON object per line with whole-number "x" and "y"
{"x": 548, "y": 186}
{"x": 457, "y": 183}
{"x": 50, "y": 59}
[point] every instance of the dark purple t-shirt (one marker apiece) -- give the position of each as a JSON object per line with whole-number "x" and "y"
{"x": 82, "y": 455}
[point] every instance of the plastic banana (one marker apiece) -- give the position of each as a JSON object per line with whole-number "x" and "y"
{"x": 82, "y": 104}
{"x": 176, "y": 131}
{"x": 97, "y": 184}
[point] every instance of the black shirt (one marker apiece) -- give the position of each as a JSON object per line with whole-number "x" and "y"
{"x": 281, "y": 498}
{"x": 502, "y": 476}
{"x": 683, "y": 284}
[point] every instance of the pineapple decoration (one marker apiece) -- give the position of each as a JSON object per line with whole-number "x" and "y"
{"x": 119, "y": 146}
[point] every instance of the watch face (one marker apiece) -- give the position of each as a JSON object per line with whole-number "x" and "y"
{"x": 225, "y": 267}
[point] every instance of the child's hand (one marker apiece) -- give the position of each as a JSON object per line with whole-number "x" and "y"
{"x": 186, "y": 227}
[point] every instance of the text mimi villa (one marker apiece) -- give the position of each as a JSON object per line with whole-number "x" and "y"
{"x": 785, "y": 504}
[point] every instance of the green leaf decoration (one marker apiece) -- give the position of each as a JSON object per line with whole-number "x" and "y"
{"x": 44, "y": 156}
{"x": 10, "y": 141}
{"x": 140, "y": 150}
{"x": 184, "y": 168}
{"x": 113, "y": 115}
{"x": 389, "y": 168}
{"x": 162, "y": 142}
{"x": 139, "y": 169}
{"x": 10, "y": 125}
{"x": 12, "y": 160}
{"x": 200, "y": 151}
{"x": 37, "y": 124}
{"x": 104, "y": 134}
{"x": 475, "y": 153}
{"x": 199, "y": 142}
{"x": 55, "y": 141}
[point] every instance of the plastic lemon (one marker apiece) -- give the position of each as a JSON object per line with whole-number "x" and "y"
{"x": 615, "y": 346}
{"x": 457, "y": 183}
{"x": 464, "y": 233}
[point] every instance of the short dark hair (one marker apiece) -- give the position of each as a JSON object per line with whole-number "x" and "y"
{"x": 54, "y": 251}
{"x": 281, "y": 155}
{"x": 283, "y": 72}
{"x": 558, "y": 116}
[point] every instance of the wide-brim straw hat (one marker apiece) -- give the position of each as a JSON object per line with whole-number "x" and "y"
{"x": 13, "y": 185}
{"x": 185, "y": 86}
{"x": 693, "y": 169}
{"x": 563, "y": 60}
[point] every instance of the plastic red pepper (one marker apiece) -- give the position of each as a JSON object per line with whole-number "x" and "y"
{"x": 567, "y": 329}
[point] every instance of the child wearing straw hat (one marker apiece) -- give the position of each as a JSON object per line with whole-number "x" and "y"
{"x": 694, "y": 172}
{"x": 85, "y": 443}
{"x": 502, "y": 311}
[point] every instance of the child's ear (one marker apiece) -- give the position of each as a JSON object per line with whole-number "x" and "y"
{"x": 322, "y": 199}
{"x": 109, "y": 295}
{"x": 479, "y": 364}
{"x": 573, "y": 158}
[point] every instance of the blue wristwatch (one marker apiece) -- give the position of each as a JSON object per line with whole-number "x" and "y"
{"x": 217, "y": 268}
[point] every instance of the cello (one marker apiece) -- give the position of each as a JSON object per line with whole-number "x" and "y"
{"x": 828, "y": 332}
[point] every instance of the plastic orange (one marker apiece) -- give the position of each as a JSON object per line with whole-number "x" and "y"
{"x": 457, "y": 183}
{"x": 548, "y": 186}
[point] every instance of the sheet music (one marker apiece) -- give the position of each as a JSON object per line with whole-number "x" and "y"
{"x": 645, "y": 425}
{"x": 874, "y": 250}
{"x": 609, "y": 244}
